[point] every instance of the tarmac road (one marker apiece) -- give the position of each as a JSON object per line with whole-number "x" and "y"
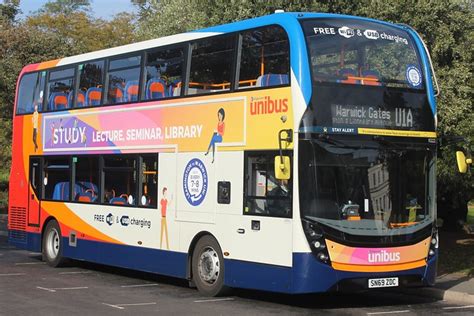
{"x": 28, "y": 286}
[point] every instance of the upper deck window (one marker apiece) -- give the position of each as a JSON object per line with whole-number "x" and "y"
{"x": 123, "y": 80}
{"x": 90, "y": 84}
{"x": 30, "y": 92}
{"x": 61, "y": 89}
{"x": 361, "y": 52}
{"x": 211, "y": 65}
{"x": 265, "y": 58}
{"x": 164, "y": 69}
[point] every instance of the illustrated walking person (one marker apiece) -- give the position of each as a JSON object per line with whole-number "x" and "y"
{"x": 164, "y": 228}
{"x": 35, "y": 126}
{"x": 218, "y": 133}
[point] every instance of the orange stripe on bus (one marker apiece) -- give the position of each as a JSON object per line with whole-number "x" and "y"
{"x": 48, "y": 64}
{"x": 380, "y": 268}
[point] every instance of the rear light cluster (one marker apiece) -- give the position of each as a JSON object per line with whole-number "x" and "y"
{"x": 316, "y": 241}
{"x": 434, "y": 244}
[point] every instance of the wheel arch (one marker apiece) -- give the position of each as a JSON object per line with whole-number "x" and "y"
{"x": 192, "y": 246}
{"x": 45, "y": 224}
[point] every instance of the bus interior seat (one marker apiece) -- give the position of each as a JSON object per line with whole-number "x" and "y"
{"x": 174, "y": 88}
{"x": 85, "y": 191}
{"x": 58, "y": 101}
{"x": 93, "y": 96}
{"x": 372, "y": 74}
{"x": 131, "y": 91}
{"x": 155, "y": 89}
{"x": 268, "y": 80}
{"x": 81, "y": 99}
{"x": 119, "y": 200}
{"x": 348, "y": 72}
{"x": 117, "y": 94}
{"x": 86, "y": 197}
{"x": 61, "y": 191}
{"x": 84, "y": 186}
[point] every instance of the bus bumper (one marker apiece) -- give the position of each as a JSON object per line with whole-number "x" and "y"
{"x": 310, "y": 276}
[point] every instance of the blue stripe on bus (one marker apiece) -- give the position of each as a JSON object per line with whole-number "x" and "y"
{"x": 158, "y": 261}
{"x": 307, "y": 275}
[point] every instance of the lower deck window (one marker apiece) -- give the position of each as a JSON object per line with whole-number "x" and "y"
{"x": 264, "y": 194}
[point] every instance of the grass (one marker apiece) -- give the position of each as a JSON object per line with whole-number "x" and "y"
{"x": 456, "y": 250}
{"x": 456, "y": 253}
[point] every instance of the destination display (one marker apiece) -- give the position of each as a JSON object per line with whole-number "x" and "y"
{"x": 354, "y": 110}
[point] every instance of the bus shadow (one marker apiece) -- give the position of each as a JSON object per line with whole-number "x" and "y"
{"x": 333, "y": 300}
{"x": 330, "y": 300}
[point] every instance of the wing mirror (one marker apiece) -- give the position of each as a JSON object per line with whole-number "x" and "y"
{"x": 462, "y": 161}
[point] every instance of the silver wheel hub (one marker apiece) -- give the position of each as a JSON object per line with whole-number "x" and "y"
{"x": 209, "y": 265}
{"x": 52, "y": 243}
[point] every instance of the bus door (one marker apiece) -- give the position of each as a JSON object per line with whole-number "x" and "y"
{"x": 264, "y": 233}
{"x": 34, "y": 194}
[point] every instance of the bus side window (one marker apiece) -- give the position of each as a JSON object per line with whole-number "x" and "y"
{"x": 60, "y": 89}
{"x": 123, "y": 80}
{"x": 90, "y": 84}
{"x": 120, "y": 177}
{"x": 211, "y": 65}
{"x": 265, "y": 58}
{"x": 86, "y": 188}
{"x": 30, "y": 93}
{"x": 56, "y": 179}
{"x": 264, "y": 194}
{"x": 164, "y": 69}
{"x": 149, "y": 180}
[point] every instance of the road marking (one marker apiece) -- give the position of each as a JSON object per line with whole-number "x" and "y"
{"x": 389, "y": 312}
{"x": 28, "y": 263}
{"x": 114, "y": 306}
{"x": 76, "y": 272}
{"x": 215, "y": 300}
{"x": 34, "y": 253}
{"x": 11, "y": 274}
{"x": 140, "y": 285}
{"x": 122, "y": 306}
{"x": 45, "y": 289}
{"x": 459, "y": 307}
{"x": 62, "y": 288}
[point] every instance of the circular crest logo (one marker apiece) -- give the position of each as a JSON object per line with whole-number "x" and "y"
{"x": 195, "y": 182}
{"x": 413, "y": 75}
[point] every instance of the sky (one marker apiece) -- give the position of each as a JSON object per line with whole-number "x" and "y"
{"x": 104, "y": 9}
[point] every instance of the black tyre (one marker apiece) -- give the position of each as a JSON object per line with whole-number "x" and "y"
{"x": 53, "y": 245}
{"x": 208, "y": 267}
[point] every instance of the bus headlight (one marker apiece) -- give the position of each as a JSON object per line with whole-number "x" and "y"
{"x": 434, "y": 244}
{"x": 316, "y": 241}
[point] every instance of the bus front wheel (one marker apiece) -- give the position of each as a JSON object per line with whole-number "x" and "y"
{"x": 208, "y": 267}
{"x": 53, "y": 245}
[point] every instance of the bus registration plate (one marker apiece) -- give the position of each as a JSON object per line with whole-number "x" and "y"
{"x": 383, "y": 282}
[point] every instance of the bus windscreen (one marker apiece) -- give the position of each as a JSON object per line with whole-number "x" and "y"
{"x": 363, "y": 53}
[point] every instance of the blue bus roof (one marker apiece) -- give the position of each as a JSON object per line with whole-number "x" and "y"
{"x": 284, "y": 18}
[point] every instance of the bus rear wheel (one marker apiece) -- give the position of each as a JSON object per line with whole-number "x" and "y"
{"x": 53, "y": 245}
{"x": 208, "y": 267}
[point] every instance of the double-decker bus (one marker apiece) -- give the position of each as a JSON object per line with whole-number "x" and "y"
{"x": 293, "y": 152}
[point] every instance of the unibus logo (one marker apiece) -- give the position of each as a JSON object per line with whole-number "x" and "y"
{"x": 266, "y": 105}
{"x": 383, "y": 256}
